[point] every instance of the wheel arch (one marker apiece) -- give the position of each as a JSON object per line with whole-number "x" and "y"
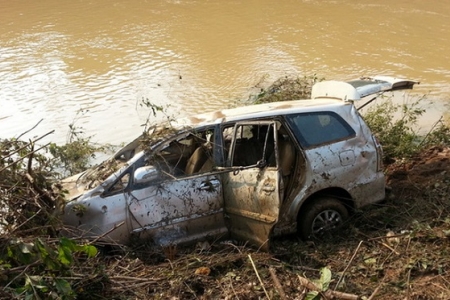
{"x": 334, "y": 192}
{"x": 339, "y": 194}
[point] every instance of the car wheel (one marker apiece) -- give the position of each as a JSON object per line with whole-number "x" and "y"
{"x": 321, "y": 217}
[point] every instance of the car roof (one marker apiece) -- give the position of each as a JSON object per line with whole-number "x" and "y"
{"x": 261, "y": 111}
{"x": 325, "y": 95}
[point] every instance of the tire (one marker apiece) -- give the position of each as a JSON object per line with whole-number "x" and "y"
{"x": 321, "y": 217}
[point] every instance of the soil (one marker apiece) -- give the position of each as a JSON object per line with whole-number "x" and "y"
{"x": 398, "y": 249}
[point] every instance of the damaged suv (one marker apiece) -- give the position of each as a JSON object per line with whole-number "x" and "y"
{"x": 247, "y": 173}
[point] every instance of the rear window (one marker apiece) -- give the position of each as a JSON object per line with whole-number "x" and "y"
{"x": 318, "y": 128}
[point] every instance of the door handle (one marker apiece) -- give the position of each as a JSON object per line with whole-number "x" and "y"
{"x": 205, "y": 186}
{"x": 268, "y": 188}
{"x": 208, "y": 185}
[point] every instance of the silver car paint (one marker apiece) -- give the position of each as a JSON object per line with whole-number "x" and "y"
{"x": 243, "y": 202}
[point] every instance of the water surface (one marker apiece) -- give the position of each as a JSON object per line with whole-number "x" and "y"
{"x": 92, "y": 62}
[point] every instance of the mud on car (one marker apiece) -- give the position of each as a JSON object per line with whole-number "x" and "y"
{"x": 247, "y": 173}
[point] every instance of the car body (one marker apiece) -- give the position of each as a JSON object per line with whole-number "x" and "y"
{"x": 247, "y": 173}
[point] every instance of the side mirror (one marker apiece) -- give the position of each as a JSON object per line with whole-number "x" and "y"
{"x": 145, "y": 174}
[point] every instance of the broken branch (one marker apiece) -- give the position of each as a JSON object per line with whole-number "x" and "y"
{"x": 32, "y": 142}
{"x": 108, "y": 232}
{"x": 22, "y": 158}
{"x": 30, "y": 129}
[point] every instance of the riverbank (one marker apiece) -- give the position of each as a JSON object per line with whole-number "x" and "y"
{"x": 395, "y": 250}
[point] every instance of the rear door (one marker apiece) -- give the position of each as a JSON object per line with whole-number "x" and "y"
{"x": 252, "y": 186}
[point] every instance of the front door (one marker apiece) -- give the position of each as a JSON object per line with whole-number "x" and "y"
{"x": 251, "y": 188}
{"x": 178, "y": 211}
{"x": 184, "y": 203}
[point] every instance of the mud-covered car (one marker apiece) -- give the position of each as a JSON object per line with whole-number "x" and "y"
{"x": 247, "y": 173}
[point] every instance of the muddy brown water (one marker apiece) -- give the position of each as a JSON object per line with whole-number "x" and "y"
{"x": 91, "y": 62}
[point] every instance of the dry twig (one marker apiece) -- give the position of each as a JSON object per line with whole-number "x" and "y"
{"x": 277, "y": 284}
{"x": 257, "y": 275}
{"x": 22, "y": 158}
{"x": 348, "y": 265}
{"x": 30, "y": 129}
{"x": 106, "y": 233}
{"x": 372, "y": 296}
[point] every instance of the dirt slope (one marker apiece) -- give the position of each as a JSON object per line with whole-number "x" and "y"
{"x": 399, "y": 249}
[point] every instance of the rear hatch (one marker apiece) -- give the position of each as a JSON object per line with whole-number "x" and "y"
{"x": 357, "y": 89}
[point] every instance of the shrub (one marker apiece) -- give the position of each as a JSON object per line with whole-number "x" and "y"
{"x": 285, "y": 88}
{"x": 74, "y": 156}
{"x": 396, "y": 127}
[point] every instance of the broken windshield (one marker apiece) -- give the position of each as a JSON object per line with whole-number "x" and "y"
{"x": 147, "y": 141}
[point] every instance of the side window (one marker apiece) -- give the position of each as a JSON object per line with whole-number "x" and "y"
{"x": 249, "y": 145}
{"x": 314, "y": 129}
{"x": 189, "y": 154}
{"x": 120, "y": 184}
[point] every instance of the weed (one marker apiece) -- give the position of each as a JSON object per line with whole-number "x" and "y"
{"x": 285, "y": 88}
{"x": 74, "y": 156}
{"x": 48, "y": 265}
{"x": 395, "y": 126}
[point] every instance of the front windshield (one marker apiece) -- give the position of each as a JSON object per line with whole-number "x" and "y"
{"x": 147, "y": 141}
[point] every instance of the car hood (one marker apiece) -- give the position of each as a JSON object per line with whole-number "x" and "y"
{"x": 72, "y": 186}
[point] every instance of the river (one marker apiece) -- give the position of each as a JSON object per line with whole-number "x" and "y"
{"x": 92, "y": 62}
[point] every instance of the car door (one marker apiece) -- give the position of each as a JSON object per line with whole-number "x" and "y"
{"x": 183, "y": 200}
{"x": 251, "y": 187}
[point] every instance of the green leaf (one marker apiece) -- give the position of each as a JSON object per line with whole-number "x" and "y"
{"x": 47, "y": 255}
{"x": 31, "y": 296}
{"x": 10, "y": 252}
{"x": 65, "y": 255}
{"x": 20, "y": 290}
{"x": 325, "y": 278}
{"x": 370, "y": 261}
{"x": 67, "y": 243}
{"x": 63, "y": 287}
{"x": 65, "y": 250}
{"x": 90, "y": 250}
{"x": 41, "y": 249}
{"x": 313, "y": 295}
